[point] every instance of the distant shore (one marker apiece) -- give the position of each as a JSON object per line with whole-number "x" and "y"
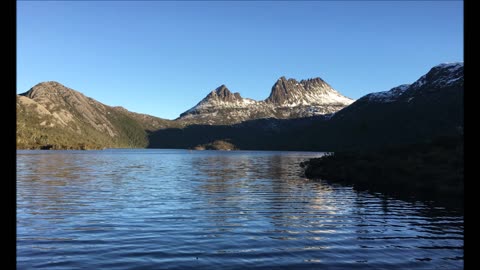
{"x": 61, "y": 147}
{"x": 433, "y": 170}
{"x": 216, "y": 145}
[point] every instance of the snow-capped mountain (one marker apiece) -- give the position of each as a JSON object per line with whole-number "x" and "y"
{"x": 311, "y": 92}
{"x": 429, "y": 108}
{"x": 220, "y": 98}
{"x": 288, "y": 99}
{"x": 440, "y": 76}
{"x": 388, "y": 96}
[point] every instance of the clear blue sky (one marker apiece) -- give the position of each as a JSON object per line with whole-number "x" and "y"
{"x": 161, "y": 58}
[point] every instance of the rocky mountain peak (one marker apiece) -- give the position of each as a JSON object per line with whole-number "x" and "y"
{"x": 219, "y": 98}
{"x": 449, "y": 75}
{"x": 317, "y": 86}
{"x": 313, "y": 81}
{"x": 440, "y": 76}
{"x": 222, "y": 90}
{"x": 49, "y": 88}
{"x": 290, "y": 92}
{"x": 288, "y": 99}
{"x": 282, "y": 90}
{"x": 223, "y": 94}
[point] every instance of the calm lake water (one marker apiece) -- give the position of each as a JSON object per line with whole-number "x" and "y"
{"x": 179, "y": 209}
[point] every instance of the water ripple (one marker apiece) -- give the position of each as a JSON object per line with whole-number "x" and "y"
{"x": 176, "y": 209}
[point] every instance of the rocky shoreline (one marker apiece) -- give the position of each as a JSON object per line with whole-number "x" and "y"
{"x": 216, "y": 145}
{"x": 433, "y": 170}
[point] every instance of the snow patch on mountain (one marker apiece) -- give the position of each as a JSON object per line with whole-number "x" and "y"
{"x": 440, "y": 76}
{"x": 288, "y": 99}
{"x": 443, "y": 75}
{"x": 388, "y": 96}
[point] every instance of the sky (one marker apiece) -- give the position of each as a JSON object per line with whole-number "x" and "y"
{"x": 161, "y": 58}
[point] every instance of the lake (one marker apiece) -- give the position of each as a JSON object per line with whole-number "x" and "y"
{"x": 180, "y": 209}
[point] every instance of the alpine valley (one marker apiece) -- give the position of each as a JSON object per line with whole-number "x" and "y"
{"x": 297, "y": 115}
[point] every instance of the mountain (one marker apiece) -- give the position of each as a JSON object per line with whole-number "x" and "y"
{"x": 430, "y": 107}
{"x": 414, "y": 137}
{"x": 224, "y": 107}
{"x": 311, "y": 92}
{"x": 288, "y": 99}
{"x": 51, "y": 115}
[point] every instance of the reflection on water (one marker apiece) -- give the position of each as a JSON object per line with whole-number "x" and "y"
{"x": 175, "y": 209}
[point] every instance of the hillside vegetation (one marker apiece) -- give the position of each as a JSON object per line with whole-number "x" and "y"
{"x": 52, "y": 116}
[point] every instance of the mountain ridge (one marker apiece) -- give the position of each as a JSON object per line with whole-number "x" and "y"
{"x": 288, "y": 99}
{"x": 53, "y": 116}
{"x": 404, "y": 114}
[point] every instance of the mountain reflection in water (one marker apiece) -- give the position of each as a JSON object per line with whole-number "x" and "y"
{"x": 123, "y": 209}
